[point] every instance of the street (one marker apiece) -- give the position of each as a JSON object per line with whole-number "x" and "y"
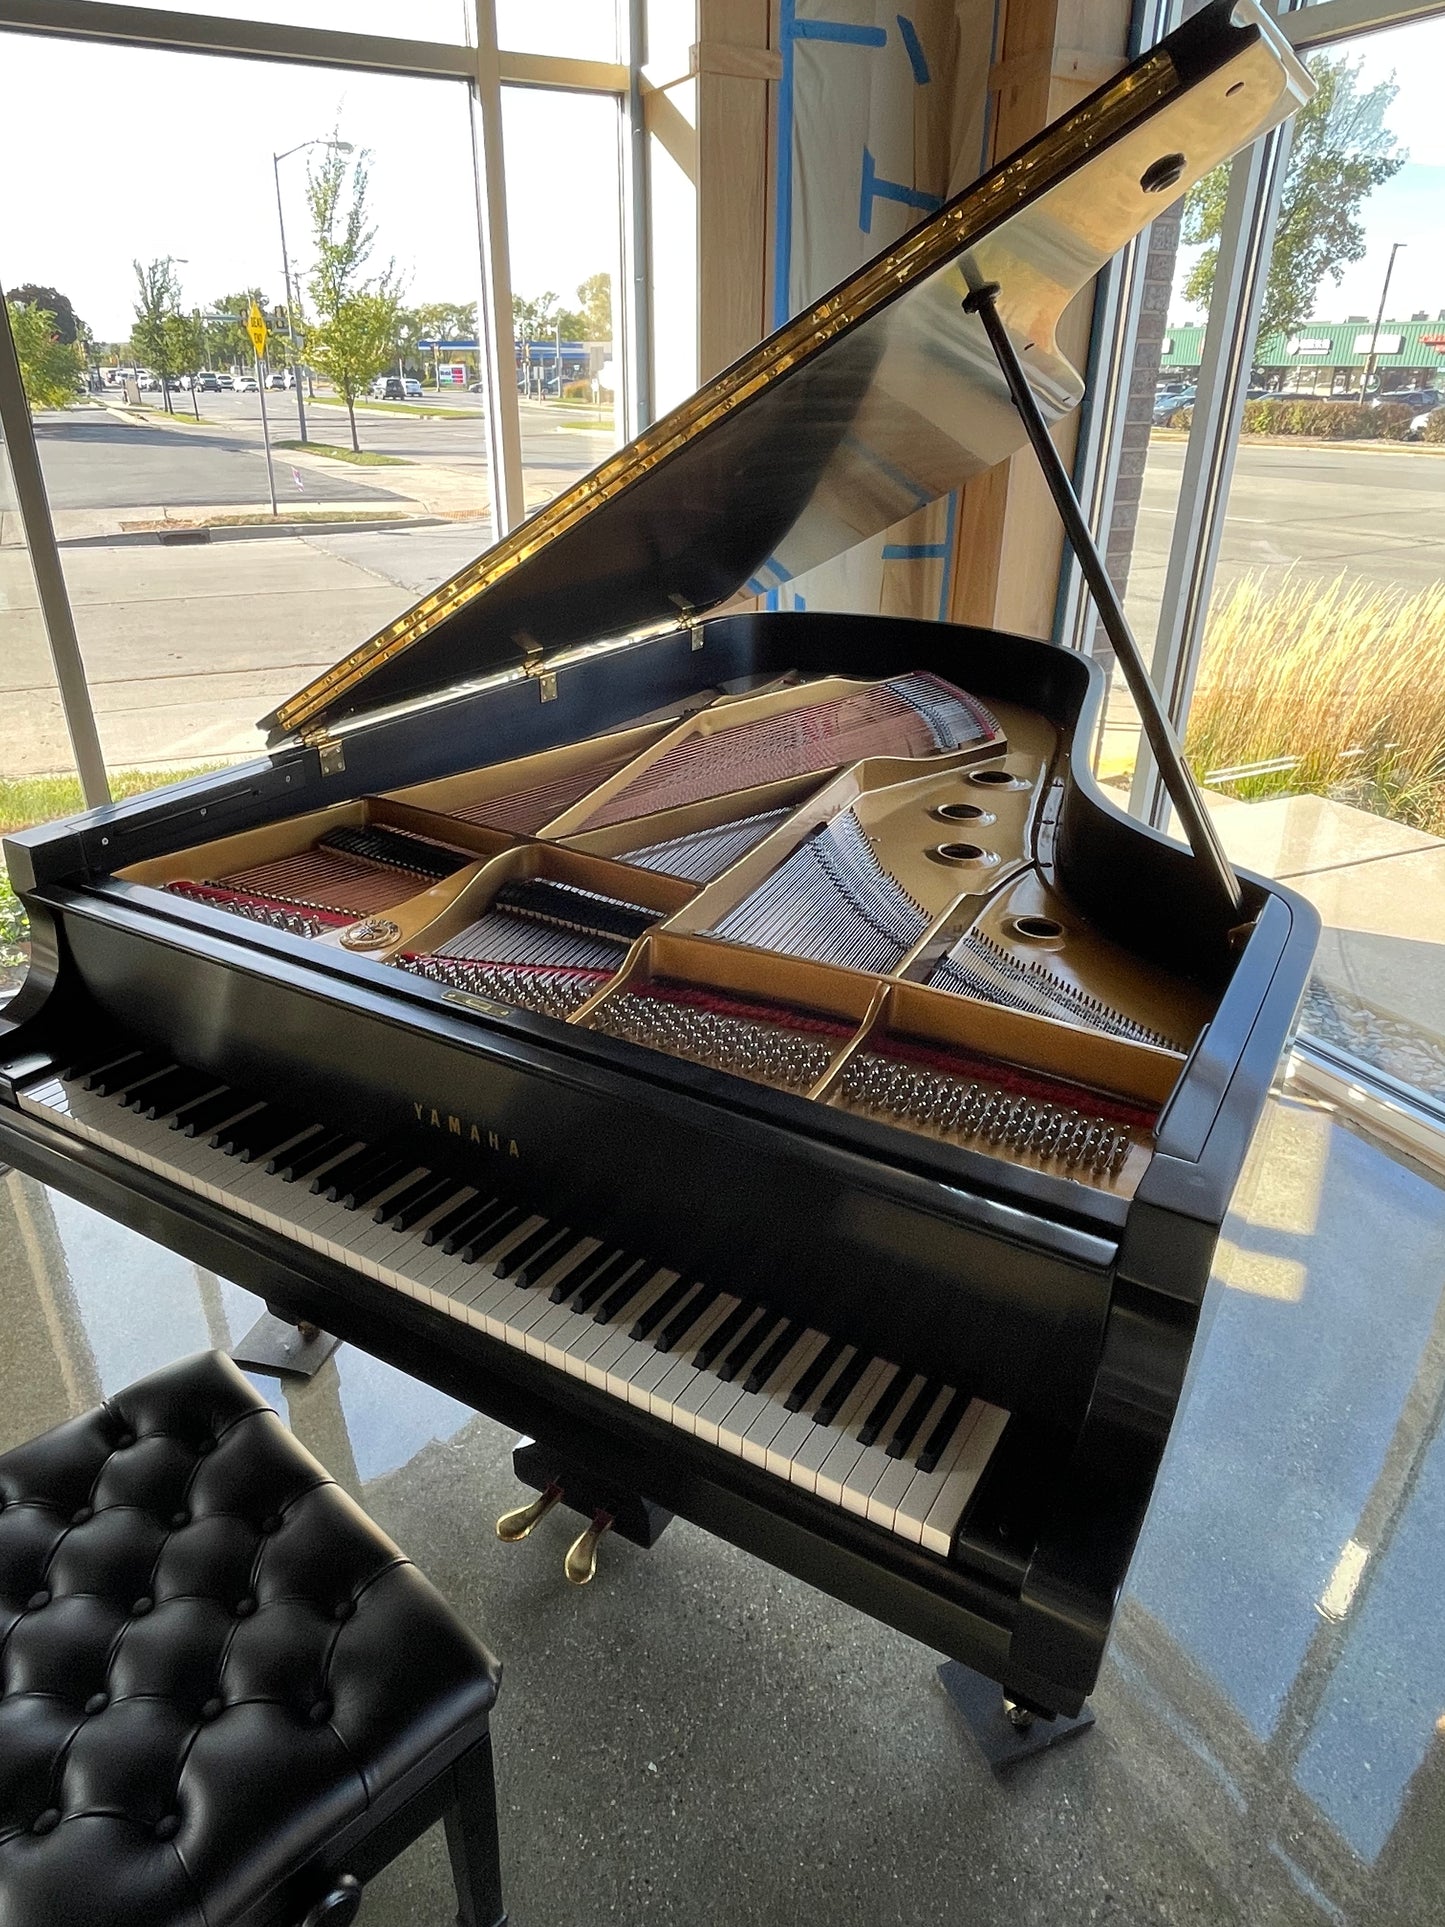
{"x": 187, "y": 646}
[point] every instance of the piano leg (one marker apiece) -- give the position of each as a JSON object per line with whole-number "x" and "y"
{"x": 284, "y": 1347}
{"x": 564, "y": 1481}
{"x": 1006, "y": 1730}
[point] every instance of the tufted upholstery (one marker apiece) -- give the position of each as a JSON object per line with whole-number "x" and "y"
{"x": 211, "y": 1661}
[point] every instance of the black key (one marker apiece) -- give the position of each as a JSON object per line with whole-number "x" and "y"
{"x": 933, "y": 1445}
{"x": 99, "y": 1057}
{"x": 842, "y": 1389}
{"x": 357, "y": 1179}
{"x": 476, "y": 1225}
{"x": 883, "y": 1407}
{"x": 746, "y": 1345}
{"x": 534, "y": 1242}
{"x": 404, "y": 1216}
{"x": 575, "y": 1269}
{"x": 340, "y": 1174}
{"x": 299, "y": 1162}
{"x": 773, "y": 1357}
{"x": 450, "y": 1221}
{"x": 598, "y": 1280}
{"x": 100, "y": 1076}
{"x": 480, "y": 1241}
{"x": 660, "y": 1307}
{"x": 622, "y": 1293}
{"x": 126, "y": 1078}
{"x": 814, "y": 1376}
{"x": 541, "y": 1261}
{"x": 247, "y": 1138}
{"x": 670, "y": 1335}
{"x": 718, "y": 1340}
{"x": 199, "y": 1120}
{"x": 169, "y": 1093}
{"x": 423, "y": 1181}
{"x": 911, "y": 1420}
{"x": 371, "y": 1186}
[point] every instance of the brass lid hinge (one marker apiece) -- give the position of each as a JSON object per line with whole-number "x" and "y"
{"x": 534, "y": 663}
{"x": 330, "y": 755}
{"x": 689, "y": 619}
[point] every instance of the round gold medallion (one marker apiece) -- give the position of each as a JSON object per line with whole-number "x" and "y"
{"x": 372, "y": 933}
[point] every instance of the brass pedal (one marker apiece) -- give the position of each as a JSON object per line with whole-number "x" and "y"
{"x": 581, "y": 1561}
{"x": 513, "y": 1527}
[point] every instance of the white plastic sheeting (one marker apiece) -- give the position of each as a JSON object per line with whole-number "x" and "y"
{"x": 881, "y": 117}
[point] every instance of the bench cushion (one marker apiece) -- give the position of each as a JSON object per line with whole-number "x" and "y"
{"x": 211, "y": 1661}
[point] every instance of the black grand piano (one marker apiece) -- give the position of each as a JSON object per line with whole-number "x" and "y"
{"x": 742, "y": 1049}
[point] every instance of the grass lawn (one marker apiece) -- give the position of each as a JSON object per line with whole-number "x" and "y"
{"x": 362, "y": 458}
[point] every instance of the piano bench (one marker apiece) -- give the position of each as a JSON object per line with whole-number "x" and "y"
{"x": 226, "y": 1698}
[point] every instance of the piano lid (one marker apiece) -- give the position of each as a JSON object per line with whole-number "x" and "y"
{"x": 877, "y": 400}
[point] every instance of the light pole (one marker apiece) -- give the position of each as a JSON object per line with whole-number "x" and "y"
{"x": 1395, "y": 247}
{"x": 341, "y": 147}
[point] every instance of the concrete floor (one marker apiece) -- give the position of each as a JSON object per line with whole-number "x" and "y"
{"x": 697, "y": 1740}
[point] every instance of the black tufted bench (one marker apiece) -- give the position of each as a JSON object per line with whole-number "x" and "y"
{"x": 226, "y": 1699}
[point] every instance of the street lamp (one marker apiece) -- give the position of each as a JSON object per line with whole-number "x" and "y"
{"x": 1395, "y": 247}
{"x": 341, "y": 147}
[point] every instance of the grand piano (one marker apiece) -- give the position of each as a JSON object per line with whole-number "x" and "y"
{"x": 741, "y": 1048}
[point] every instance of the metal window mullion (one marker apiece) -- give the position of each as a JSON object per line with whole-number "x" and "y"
{"x": 104, "y": 20}
{"x": 494, "y": 317}
{"x": 1246, "y": 240}
{"x": 1306, "y": 27}
{"x": 633, "y": 308}
{"x": 34, "y": 505}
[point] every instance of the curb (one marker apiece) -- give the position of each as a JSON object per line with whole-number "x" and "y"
{"x": 180, "y": 537}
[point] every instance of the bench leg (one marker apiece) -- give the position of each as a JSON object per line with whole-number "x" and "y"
{"x": 471, "y": 1824}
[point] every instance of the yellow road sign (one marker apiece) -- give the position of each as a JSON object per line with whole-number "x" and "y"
{"x": 256, "y": 329}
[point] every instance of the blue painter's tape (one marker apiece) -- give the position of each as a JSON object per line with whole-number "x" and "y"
{"x": 875, "y": 188}
{"x": 783, "y": 202}
{"x": 841, "y": 32}
{"x": 913, "y": 47}
{"x": 946, "y": 589}
{"x": 913, "y": 551}
{"x": 800, "y": 602}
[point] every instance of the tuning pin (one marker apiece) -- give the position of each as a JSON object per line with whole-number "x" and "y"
{"x": 513, "y": 1526}
{"x": 581, "y": 1560}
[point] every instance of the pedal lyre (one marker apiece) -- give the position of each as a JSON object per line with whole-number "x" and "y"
{"x": 514, "y": 1526}
{"x": 581, "y": 1561}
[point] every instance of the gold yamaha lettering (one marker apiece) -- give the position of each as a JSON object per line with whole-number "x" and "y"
{"x": 482, "y": 1135}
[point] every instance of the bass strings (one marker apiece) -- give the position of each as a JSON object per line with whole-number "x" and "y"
{"x": 979, "y": 967}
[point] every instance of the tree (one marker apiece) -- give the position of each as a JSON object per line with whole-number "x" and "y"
{"x": 1341, "y": 152}
{"x": 186, "y": 349}
{"x": 354, "y": 344}
{"x": 534, "y": 317}
{"x": 153, "y": 338}
{"x": 69, "y": 327}
{"x": 52, "y": 371}
{"x": 595, "y": 296}
{"x": 227, "y": 343}
{"x": 357, "y": 316}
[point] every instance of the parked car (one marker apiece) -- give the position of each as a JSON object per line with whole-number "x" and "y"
{"x": 279, "y": 378}
{"x": 1165, "y": 406}
{"x": 225, "y": 383}
{"x": 412, "y": 387}
{"x": 207, "y": 382}
{"x": 388, "y": 388}
{"x": 245, "y": 384}
{"x": 1423, "y": 398}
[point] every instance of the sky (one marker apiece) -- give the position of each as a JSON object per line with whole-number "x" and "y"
{"x": 1408, "y": 208}
{"x": 133, "y": 154}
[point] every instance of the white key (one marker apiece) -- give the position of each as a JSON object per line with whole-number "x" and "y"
{"x": 820, "y": 1444}
{"x": 916, "y": 1504}
{"x": 799, "y": 1427}
{"x": 840, "y": 1462}
{"x": 958, "y": 1488}
{"x": 899, "y": 1474}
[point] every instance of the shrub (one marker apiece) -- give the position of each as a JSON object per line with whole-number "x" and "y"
{"x": 1345, "y": 681}
{"x": 1332, "y": 421}
{"x": 1434, "y": 429}
{"x": 1181, "y": 418}
{"x": 577, "y": 391}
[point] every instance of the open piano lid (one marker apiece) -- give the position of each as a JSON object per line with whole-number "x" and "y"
{"x": 875, "y": 401}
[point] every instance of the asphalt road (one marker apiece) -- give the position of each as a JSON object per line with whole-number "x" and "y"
{"x": 97, "y": 459}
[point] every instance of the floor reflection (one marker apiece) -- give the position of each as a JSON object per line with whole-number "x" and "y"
{"x": 1271, "y": 1743}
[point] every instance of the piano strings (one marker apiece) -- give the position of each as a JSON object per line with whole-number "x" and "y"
{"x": 832, "y": 901}
{"x": 702, "y": 855}
{"x": 979, "y": 967}
{"x": 912, "y": 716}
{"x": 349, "y": 873}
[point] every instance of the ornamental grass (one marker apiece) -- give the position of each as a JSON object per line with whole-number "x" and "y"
{"x": 1340, "y": 687}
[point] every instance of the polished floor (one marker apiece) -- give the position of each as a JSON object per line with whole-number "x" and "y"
{"x": 694, "y": 1739}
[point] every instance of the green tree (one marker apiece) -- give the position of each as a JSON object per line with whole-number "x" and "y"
{"x": 227, "y": 343}
{"x": 52, "y": 371}
{"x": 153, "y": 337}
{"x": 358, "y": 316}
{"x": 535, "y": 316}
{"x": 68, "y": 325}
{"x": 595, "y": 296}
{"x": 185, "y": 342}
{"x": 1341, "y": 152}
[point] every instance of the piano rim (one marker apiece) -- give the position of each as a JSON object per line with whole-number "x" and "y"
{"x": 963, "y": 1614}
